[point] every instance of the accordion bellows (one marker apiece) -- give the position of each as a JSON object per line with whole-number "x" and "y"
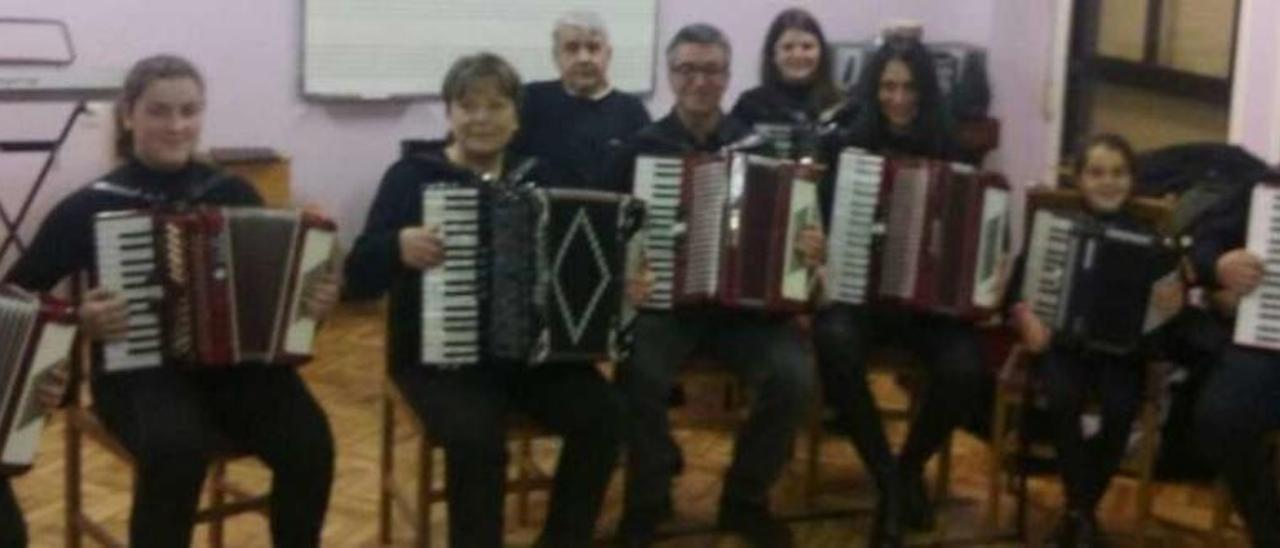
{"x": 722, "y": 230}
{"x": 212, "y": 286}
{"x": 529, "y": 275}
{"x": 35, "y": 334}
{"x": 923, "y": 234}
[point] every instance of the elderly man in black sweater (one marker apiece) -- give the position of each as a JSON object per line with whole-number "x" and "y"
{"x": 576, "y": 123}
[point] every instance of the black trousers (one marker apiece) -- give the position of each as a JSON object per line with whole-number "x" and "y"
{"x": 950, "y": 349}
{"x": 1238, "y": 410}
{"x": 1069, "y": 377}
{"x": 13, "y": 531}
{"x": 466, "y": 412}
{"x": 173, "y": 421}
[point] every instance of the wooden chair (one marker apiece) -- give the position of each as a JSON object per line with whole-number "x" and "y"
{"x": 416, "y": 502}
{"x": 1010, "y": 400}
{"x": 226, "y": 499}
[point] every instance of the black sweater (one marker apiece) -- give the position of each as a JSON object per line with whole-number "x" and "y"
{"x": 373, "y": 267}
{"x": 64, "y": 244}
{"x": 577, "y": 135}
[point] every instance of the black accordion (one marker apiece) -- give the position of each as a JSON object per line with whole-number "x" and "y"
{"x": 37, "y": 333}
{"x": 1091, "y": 282}
{"x": 530, "y": 275}
{"x": 212, "y": 286}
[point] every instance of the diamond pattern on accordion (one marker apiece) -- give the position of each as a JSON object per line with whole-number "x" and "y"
{"x": 577, "y": 315}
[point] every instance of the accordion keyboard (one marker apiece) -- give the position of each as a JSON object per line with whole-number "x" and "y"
{"x": 127, "y": 264}
{"x": 657, "y": 182}
{"x": 1258, "y": 321}
{"x": 1048, "y": 256}
{"x": 450, "y": 294}
{"x": 853, "y": 228}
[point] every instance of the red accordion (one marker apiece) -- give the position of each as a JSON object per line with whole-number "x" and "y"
{"x": 212, "y": 286}
{"x": 724, "y": 230}
{"x": 923, "y": 234}
{"x": 37, "y": 333}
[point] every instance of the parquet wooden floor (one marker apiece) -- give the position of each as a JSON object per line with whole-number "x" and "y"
{"x": 347, "y": 378}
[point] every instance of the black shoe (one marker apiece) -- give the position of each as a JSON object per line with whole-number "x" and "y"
{"x": 639, "y": 528}
{"x": 755, "y": 525}
{"x": 1064, "y": 533}
{"x": 886, "y": 531}
{"x": 917, "y": 510}
{"x": 1087, "y": 533}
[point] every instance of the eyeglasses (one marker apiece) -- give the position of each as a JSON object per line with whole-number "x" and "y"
{"x": 710, "y": 72}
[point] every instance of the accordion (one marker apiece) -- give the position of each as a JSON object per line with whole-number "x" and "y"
{"x": 212, "y": 286}
{"x": 722, "y": 230}
{"x": 37, "y": 334}
{"x": 923, "y": 234}
{"x": 1258, "y": 315}
{"x": 1091, "y": 282}
{"x": 529, "y": 275}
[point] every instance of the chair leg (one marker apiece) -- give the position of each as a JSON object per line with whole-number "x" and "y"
{"x": 811, "y": 478}
{"x": 1147, "y": 457}
{"x": 942, "y": 483}
{"x": 74, "y": 505}
{"x": 217, "y": 497}
{"x": 422, "y": 521}
{"x": 996, "y": 474}
{"x": 1221, "y": 515}
{"x": 525, "y": 455}
{"x": 386, "y": 471}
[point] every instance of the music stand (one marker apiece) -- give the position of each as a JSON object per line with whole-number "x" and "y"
{"x": 44, "y": 76}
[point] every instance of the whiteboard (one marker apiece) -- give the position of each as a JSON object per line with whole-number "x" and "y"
{"x": 390, "y": 48}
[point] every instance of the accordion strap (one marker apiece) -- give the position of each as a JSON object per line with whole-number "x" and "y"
{"x": 192, "y": 193}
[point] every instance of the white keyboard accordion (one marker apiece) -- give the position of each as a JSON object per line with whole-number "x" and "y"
{"x": 924, "y": 234}
{"x": 212, "y": 287}
{"x": 1258, "y": 315}
{"x": 530, "y": 275}
{"x": 37, "y": 333}
{"x": 721, "y": 229}
{"x": 1091, "y": 282}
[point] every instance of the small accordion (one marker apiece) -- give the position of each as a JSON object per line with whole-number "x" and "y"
{"x": 530, "y": 275}
{"x": 1258, "y": 315}
{"x": 923, "y": 234}
{"x": 212, "y": 286}
{"x": 722, "y": 230}
{"x": 1090, "y": 281}
{"x": 38, "y": 332}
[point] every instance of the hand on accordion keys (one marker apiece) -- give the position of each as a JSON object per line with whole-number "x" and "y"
{"x": 52, "y": 386}
{"x": 421, "y": 247}
{"x": 1035, "y": 335}
{"x": 104, "y": 315}
{"x": 1239, "y": 271}
{"x": 812, "y": 246}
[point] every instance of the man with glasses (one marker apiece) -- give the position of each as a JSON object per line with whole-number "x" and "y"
{"x": 769, "y": 352}
{"x": 578, "y": 122}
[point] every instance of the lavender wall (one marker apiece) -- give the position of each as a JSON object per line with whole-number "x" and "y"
{"x": 249, "y": 51}
{"x": 1255, "y": 120}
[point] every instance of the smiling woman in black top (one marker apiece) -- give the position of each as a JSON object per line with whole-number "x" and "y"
{"x": 796, "y": 88}
{"x": 174, "y": 419}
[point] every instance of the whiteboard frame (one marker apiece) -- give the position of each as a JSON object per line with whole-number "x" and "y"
{"x": 435, "y": 93}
